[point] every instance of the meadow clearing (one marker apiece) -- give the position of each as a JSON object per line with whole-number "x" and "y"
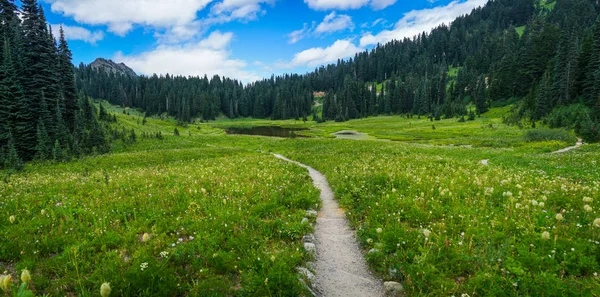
{"x": 210, "y": 214}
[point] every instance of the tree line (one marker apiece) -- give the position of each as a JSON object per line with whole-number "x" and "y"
{"x": 42, "y": 115}
{"x": 542, "y": 57}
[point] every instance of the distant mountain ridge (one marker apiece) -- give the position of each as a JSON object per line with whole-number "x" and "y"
{"x": 111, "y": 66}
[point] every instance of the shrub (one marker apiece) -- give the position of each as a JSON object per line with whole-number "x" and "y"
{"x": 536, "y": 135}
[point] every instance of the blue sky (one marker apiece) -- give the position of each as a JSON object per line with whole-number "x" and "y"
{"x": 243, "y": 39}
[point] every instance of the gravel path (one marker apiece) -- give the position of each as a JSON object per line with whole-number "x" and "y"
{"x": 577, "y": 145}
{"x": 341, "y": 269}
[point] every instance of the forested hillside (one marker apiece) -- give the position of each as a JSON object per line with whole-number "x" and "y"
{"x": 541, "y": 56}
{"x": 41, "y": 115}
{"x": 479, "y": 59}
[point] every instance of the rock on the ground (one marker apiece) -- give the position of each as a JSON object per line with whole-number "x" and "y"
{"x": 310, "y": 247}
{"x": 373, "y": 251}
{"x": 393, "y": 289}
{"x": 306, "y": 273}
{"x": 311, "y": 213}
{"x": 308, "y": 238}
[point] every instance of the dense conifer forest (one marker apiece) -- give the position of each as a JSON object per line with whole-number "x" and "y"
{"x": 541, "y": 56}
{"x": 42, "y": 116}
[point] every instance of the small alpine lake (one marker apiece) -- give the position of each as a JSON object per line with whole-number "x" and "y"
{"x": 270, "y": 131}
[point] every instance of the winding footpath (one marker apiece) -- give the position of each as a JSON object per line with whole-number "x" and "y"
{"x": 577, "y": 145}
{"x": 341, "y": 270}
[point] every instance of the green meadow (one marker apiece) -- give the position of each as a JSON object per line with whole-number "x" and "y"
{"x": 211, "y": 214}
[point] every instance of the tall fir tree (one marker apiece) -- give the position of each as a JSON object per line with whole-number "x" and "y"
{"x": 67, "y": 81}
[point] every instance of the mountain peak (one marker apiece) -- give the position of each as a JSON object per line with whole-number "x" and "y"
{"x": 111, "y": 66}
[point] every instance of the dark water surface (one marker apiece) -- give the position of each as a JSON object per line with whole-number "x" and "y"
{"x": 272, "y": 131}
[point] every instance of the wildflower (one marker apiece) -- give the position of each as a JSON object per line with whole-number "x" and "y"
{"x": 426, "y": 232}
{"x": 144, "y": 266}
{"x": 545, "y": 235}
{"x": 43, "y": 212}
{"x": 369, "y": 240}
{"x": 597, "y": 223}
{"x": 164, "y": 254}
{"x": 26, "y": 276}
{"x": 379, "y": 230}
{"x": 518, "y": 205}
{"x": 12, "y": 219}
{"x": 5, "y": 282}
{"x": 559, "y": 217}
{"x": 541, "y": 204}
{"x": 587, "y": 199}
{"x": 587, "y": 208}
{"x": 272, "y": 258}
{"x": 105, "y": 290}
{"x": 146, "y": 237}
{"x": 544, "y": 198}
{"x": 534, "y": 203}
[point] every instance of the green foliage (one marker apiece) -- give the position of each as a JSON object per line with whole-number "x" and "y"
{"x": 520, "y": 30}
{"x": 38, "y": 100}
{"x": 542, "y": 134}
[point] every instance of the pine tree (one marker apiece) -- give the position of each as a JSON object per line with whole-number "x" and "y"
{"x": 481, "y": 96}
{"x": 565, "y": 69}
{"x": 543, "y": 100}
{"x": 67, "y": 81}
{"x": 37, "y": 76}
{"x": 592, "y": 81}
{"x": 373, "y": 100}
{"x": 42, "y": 149}
{"x": 12, "y": 159}
{"x": 57, "y": 152}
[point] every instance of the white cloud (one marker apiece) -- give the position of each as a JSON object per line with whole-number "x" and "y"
{"x": 174, "y": 21}
{"x": 298, "y": 35}
{"x": 230, "y": 10}
{"x": 348, "y": 4}
{"x": 312, "y": 57}
{"x": 78, "y": 33}
{"x": 122, "y": 15}
{"x": 209, "y": 56}
{"x": 330, "y": 24}
{"x": 381, "y": 4}
{"x": 333, "y": 23}
{"x": 418, "y": 21}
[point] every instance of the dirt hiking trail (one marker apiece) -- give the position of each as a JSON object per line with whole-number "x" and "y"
{"x": 341, "y": 270}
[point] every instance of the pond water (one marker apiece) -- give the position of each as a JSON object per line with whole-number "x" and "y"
{"x": 272, "y": 131}
{"x": 350, "y": 134}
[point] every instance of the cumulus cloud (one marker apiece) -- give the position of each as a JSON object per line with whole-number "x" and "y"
{"x": 209, "y": 56}
{"x": 174, "y": 21}
{"x": 418, "y": 21}
{"x": 348, "y": 4}
{"x": 330, "y": 24}
{"x": 230, "y": 10}
{"x": 333, "y": 23}
{"x": 316, "y": 56}
{"x": 78, "y": 33}
{"x": 121, "y": 16}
